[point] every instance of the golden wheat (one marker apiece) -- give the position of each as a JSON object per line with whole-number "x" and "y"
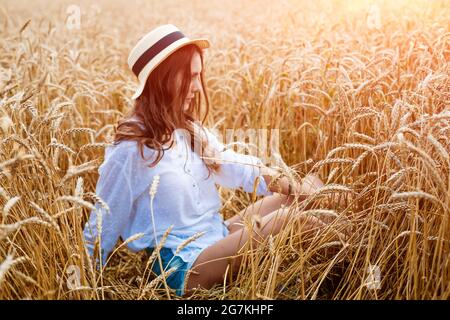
{"x": 365, "y": 106}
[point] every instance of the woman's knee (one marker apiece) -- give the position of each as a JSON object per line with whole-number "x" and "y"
{"x": 261, "y": 208}
{"x": 286, "y": 217}
{"x": 275, "y": 221}
{"x": 269, "y": 203}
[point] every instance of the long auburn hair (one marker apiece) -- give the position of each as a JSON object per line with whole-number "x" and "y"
{"x": 159, "y": 110}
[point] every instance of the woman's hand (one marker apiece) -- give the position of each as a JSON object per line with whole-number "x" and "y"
{"x": 310, "y": 184}
{"x": 307, "y": 186}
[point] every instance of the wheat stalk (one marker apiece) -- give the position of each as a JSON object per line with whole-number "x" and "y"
{"x": 7, "y": 264}
{"x": 4, "y": 194}
{"x": 417, "y": 194}
{"x": 11, "y": 202}
{"x": 347, "y": 146}
{"x": 14, "y": 160}
{"x": 79, "y": 130}
{"x": 6, "y": 229}
{"x": 331, "y": 175}
{"x": 429, "y": 163}
{"x": 79, "y": 191}
{"x": 187, "y": 241}
{"x": 321, "y": 212}
{"x": 331, "y": 161}
{"x": 77, "y": 170}
{"x": 56, "y": 144}
{"x": 440, "y": 148}
{"x": 358, "y": 160}
{"x": 77, "y": 200}
{"x": 156, "y": 251}
{"x": 96, "y": 145}
{"x": 99, "y": 200}
{"x": 363, "y": 136}
{"x": 47, "y": 216}
{"x": 160, "y": 278}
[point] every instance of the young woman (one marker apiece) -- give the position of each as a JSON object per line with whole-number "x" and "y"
{"x": 162, "y": 138}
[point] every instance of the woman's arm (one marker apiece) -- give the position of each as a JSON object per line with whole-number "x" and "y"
{"x": 241, "y": 170}
{"x": 114, "y": 187}
{"x": 236, "y": 169}
{"x": 277, "y": 183}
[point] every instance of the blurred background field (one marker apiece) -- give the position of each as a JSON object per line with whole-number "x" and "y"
{"x": 359, "y": 91}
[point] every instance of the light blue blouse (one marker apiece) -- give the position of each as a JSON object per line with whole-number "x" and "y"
{"x": 185, "y": 197}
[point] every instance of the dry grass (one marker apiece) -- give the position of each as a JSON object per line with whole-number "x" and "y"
{"x": 367, "y": 109}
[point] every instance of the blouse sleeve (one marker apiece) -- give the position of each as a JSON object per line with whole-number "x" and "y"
{"x": 237, "y": 170}
{"x": 115, "y": 189}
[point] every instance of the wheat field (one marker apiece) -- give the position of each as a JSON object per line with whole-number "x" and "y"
{"x": 359, "y": 91}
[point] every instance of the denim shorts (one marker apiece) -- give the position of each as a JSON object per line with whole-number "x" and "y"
{"x": 177, "y": 280}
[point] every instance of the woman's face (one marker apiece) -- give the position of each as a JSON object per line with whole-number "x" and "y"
{"x": 196, "y": 85}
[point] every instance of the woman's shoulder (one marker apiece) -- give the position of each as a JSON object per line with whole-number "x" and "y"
{"x": 120, "y": 148}
{"x": 117, "y": 153}
{"x": 132, "y": 149}
{"x": 127, "y": 152}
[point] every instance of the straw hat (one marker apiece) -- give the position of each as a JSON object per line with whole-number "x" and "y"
{"x": 154, "y": 48}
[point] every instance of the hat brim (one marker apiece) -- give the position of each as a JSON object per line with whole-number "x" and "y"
{"x": 202, "y": 43}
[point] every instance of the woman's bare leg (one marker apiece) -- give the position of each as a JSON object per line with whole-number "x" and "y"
{"x": 271, "y": 203}
{"x": 211, "y": 265}
{"x": 261, "y": 207}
